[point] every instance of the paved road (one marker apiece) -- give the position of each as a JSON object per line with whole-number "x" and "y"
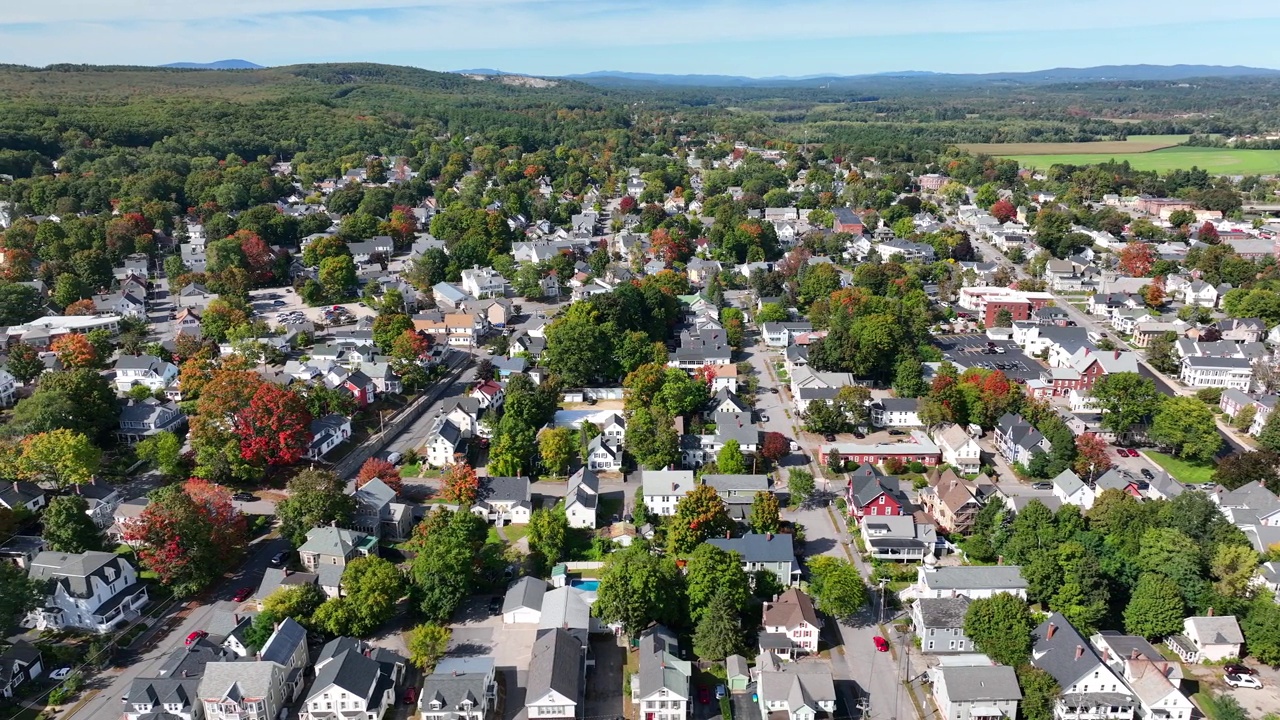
{"x": 113, "y": 685}
{"x": 413, "y": 436}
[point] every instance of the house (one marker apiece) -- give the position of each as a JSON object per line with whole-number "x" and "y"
{"x": 1119, "y": 479}
{"x": 101, "y": 500}
{"x": 195, "y": 296}
{"x": 975, "y": 692}
{"x": 975, "y": 582}
{"x": 1245, "y": 330}
{"x": 377, "y": 512}
{"x": 489, "y": 394}
{"x": 1017, "y": 440}
{"x": 460, "y": 688}
{"x": 792, "y": 618}
{"x": 603, "y": 454}
{"x": 448, "y": 296}
{"x": 707, "y": 346}
{"x": 662, "y": 489}
{"x": 554, "y": 688}
{"x": 328, "y": 550}
{"x": 661, "y": 690}
{"x": 582, "y": 498}
{"x": 952, "y": 502}
{"x": 1117, "y": 649}
{"x": 504, "y": 500}
{"x": 22, "y": 494}
{"x": 1201, "y": 294}
{"x": 764, "y": 551}
{"x": 898, "y": 537}
{"x": 918, "y": 449}
{"x": 483, "y": 283}
{"x": 287, "y": 646}
{"x": 375, "y": 249}
{"x": 1221, "y": 372}
{"x": 444, "y": 442}
{"x": 92, "y": 591}
{"x": 870, "y": 493}
{"x": 782, "y": 334}
{"x": 939, "y": 623}
{"x": 1208, "y": 639}
{"x": 1156, "y": 690}
{"x": 802, "y": 690}
{"x": 19, "y": 664}
{"x": 847, "y": 222}
{"x": 895, "y": 412}
{"x": 20, "y": 550}
{"x": 1081, "y": 371}
{"x": 141, "y": 419}
{"x": 327, "y": 433}
{"x": 725, "y": 401}
{"x": 147, "y": 370}
{"x": 523, "y": 600}
{"x": 959, "y": 450}
{"x": 353, "y": 682}
{"x": 1091, "y": 690}
{"x": 738, "y": 491}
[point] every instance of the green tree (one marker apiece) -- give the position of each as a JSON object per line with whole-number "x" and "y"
{"x": 579, "y": 347}
{"x": 719, "y": 632}
{"x": 730, "y": 460}
{"x": 1083, "y": 596}
{"x": 19, "y": 595}
{"x": 638, "y": 589}
{"x": 294, "y": 601}
{"x": 908, "y": 379}
{"x": 836, "y": 586}
{"x": 372, "y": 587}
{"x": 337, "y": 277}
{"x": 427, "y": 643}
{"x": 558, "y": 447}
{"x": 164, "y": 451}
{"x": 548, "y": 531}
{"x": 316, "y": 498}
{"x": 699, "y": 515}
{"x": 260, "y": 630}
{"x": 771, "y": 312}
{"x": 1188, "y": 426}
{"x": 1000, "y": 627}
{"x": 765, "y": 513}
{"x": 24, "y": 363}
{"x": 1173, "y": 554}
{"x": 1269, "y": 438}
{"x": 709, "y": 571}
{"x": 1155, "y": 609}
{"x": 1261, "y": 626}
{"x": 1233, "y": 568}
{"x": 1125, "y": 399}
{"x": 1039, "y": 693}
{"x": 800, "y": 485}
{"x": 444, "y": 571}
{"x": 651, "y": 438}
{"x": 61, "y": 457}
{"x": 68, "y": 527}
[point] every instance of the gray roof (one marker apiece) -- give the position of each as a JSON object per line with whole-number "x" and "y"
{"x": 660, "y": 664}
{"x": 456, "y": 680}
{"x": 757, "y": 547}
{"x": 72, "y": 571}
{"x": 1217, "y": 629}
{"x": 975, "y": 577}
{"x": 284, "y": 641}
{"x": 163, "y": 691}
{"x": 190, "y": 660}
{"x": 335, "y": 541}
{"x": 275, "y": 578}
{"x": 727, "y": 483}
{"x": 666, "y": 482}
{"x": 1217, "y": 362}
{"x": 527, "y": 592}
{"x": 970, "y": 683}
{"x": 736, "y": 426}
{"x": 1068, "y": 482}
{"x": 506, "y": 489}
{"x": 798, "y": 684}
{"x": 351, "y": 671}
{"x": 1057, "y": 655}
{"x": 374, "y": 493}
{"x": 736, "y": 666}
{"x": 943, "y": 612}
{"x": 238, "y": 679}
{"x": 555, "y": 663}
{"x": 138, "y": 362}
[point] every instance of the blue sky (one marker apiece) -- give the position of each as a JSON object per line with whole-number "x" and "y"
{"x": 736, "y": 37}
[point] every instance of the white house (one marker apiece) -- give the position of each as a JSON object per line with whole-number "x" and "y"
{"x": 582, "y": 498}
{"x": 352, "y": 682}
{"x": 243, "y": 690}
{"x": 504, "y": 500}
{"x": 662, "y": 688}
{"x": 327, "y": 433}
{"x": 1156, "y": 691}
{"x": 1220, "y": 372}
{"x": 792, "y": 617}
{"x": 975, "y": 692}
{"x": 460, "y": 688}
{"x": 662, "y": 489}
{"x": 972, "y": 581}
{"x": 1091, "y": 690}
{"x": 1208, "y": 639}
{"x": 895, "y": 412}
{"x": 554, "y": 688}
{"x": 802, "y": 690}
{"x": 959, "y": 450}
{"x": 1071, "y": 490}
{"x": 93, "y": 591}
{"x": 8, "y": 385}
{"x": 483, "y": 283}
{"x": 443, "y": 443}
{"x": 147, "y": 370}
{"x": 603, "y": 454}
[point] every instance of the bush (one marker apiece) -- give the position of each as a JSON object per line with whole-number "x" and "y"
{"x": 915, "y": 466}
{"x": 1209, "y": 396}
{"x": 893, "y": 466}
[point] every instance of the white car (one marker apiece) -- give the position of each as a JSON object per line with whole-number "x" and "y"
{"x": 60, "y": 674}
{"x": 1244, "y": 681}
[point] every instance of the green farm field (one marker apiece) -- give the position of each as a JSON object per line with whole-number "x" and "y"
{"x": 1221, "y": 161}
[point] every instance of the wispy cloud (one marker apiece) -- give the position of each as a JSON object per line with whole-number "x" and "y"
{"x": 569, "y": 35}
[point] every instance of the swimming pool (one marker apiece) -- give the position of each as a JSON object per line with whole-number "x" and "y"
{"x": 588, "y": 585}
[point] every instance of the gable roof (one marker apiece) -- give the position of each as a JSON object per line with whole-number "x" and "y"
{"x": 943, "y": 612}
{"x": 975, "y": 577}
{"x": 1217, "y": 629}
{"x": 790, "y": 610}
{"x": 555, "y": 664}
{"x": 977, "y": 683}
{"x": 1060, "y": 650}
{"x": 759, "y": 547}
{"x": 660, "y": 664}
{"x": 349, "y": 670}
{"x": 527, "y": 592}
{"x": 284, "y": 641}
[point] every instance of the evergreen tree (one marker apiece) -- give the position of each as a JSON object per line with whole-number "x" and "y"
{"x": 719, "y": 632}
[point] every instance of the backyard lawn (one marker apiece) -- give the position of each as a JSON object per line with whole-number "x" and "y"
{"x": 1182, "y": 470}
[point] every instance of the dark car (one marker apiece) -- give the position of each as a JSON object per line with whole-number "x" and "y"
{"x": 410, "y": 695}
{"x": 896, "y": 431}
{"x": 244, "y": 497}
{"x": 1234, "y": 669}
{"x": 859, "y": 435}
{"x": 278, "y": 559}
{"x": 495, "y": 605}
{"x": 704, "y": 694}
{"x": 1148, "y": 474}
{"x": 829, "y": 437}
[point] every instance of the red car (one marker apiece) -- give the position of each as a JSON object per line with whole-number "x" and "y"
{"x": 195, "y": 635}
{"x": 242, "y": 594}
{"x": 410, "y": 695}
{"x": 704, "y": 694}
{"x": 882, "y": 645}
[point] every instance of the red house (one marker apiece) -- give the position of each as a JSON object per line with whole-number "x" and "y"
{"x": 847, "y": 221}
{"x": 870, "y": 493}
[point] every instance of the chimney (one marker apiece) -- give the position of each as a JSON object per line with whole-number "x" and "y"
{"x": 1049, "y": 632}
{"x": 999, "y": 559}
{"x": 1210, "y": 612}
{"x": 1079, "y": 651}
{"x": 455, "y": 673}
{"x": 728, "y": 534}
{"x": 1106, "y": 654}
{"x": 768, "y": 537}
{"x": 1133, "y": 654}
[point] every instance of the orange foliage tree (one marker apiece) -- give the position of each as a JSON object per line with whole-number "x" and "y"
{"x": 75, "y": 351}
{"x": 460, "y": 484}
{"x": 382, "y": 470}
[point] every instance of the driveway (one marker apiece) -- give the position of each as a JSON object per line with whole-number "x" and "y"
{"x": 604, "y": 682}
{"x": 476, "y": 632}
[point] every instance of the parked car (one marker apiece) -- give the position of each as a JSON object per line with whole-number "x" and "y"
{"x": 244, "y": 497}
{"x": 1148, "y": 474}
{"x": 195, "y": 635}
{"x": 720, "y": 692}
{"x": 60, "y": 674}
{"x": 1237, "y": 669}
{"x": 410, "y": 695}
{"x": 829, "y": 437}
{"x": 764, "y": 418}
{"x": 495, "y": 605}
{"x": 1042, "y": 486}
{"x": 859, "y": 435}
{"x": 278, "y": 559}
{"x": 704, "y": 694}
{"x": 1000, "y": 351}
{"x": 882, "y": 645}
{"x": 1244, "y": 681}
{"x": 242, "y": 594}
{"x": 395, "y": 458}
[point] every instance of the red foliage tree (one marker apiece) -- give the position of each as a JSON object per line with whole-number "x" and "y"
{"x": 1137, "y": 259}
{"x": 705, "y": 374}
{"x": 409, "y": 345}
{"x": 260, "y": 260}
{"x": 628, "y": 205}
{"x": 124, "y": 232}
{"x": 188, "y": 535}
{"x": 670, "y": 246}
{"x": 1004, "y": 211}
{"x": 75, "y": 351}
{"x": 1208, "y": 233}
{"x": 275, "y": 428}
{"x": 225, "y": 392}
{"x": 460, "y": 484}
{"x": 1153, "y": 295}
{"x": 775, "y": 446}
{"x": 80, "y": 307}
{"x": 1091, "y": 455}
{"x": 382, "y": 470}
{"x": 401, "y": 225}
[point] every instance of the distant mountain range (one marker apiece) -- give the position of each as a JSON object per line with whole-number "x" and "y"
{"x": 1100, "y": 73}
{"x": 216, "y": 65}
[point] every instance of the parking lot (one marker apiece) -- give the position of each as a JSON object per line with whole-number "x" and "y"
{"x": 477, "y": 633}
{"x": 274, "y": 304}
{"x": 979, "y": 351}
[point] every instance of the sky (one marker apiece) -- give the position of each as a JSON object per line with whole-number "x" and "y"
{"x": 758, "y": 38}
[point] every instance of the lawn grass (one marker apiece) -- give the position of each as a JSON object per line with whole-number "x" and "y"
{"x": 1222, "y": 161}
{"x": 1182, "y": 470}
{"x": 1133, "y": 144}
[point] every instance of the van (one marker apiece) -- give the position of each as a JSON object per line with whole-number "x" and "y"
{"x": 1095, "y": 337}
{"x": 395, "y": 458}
